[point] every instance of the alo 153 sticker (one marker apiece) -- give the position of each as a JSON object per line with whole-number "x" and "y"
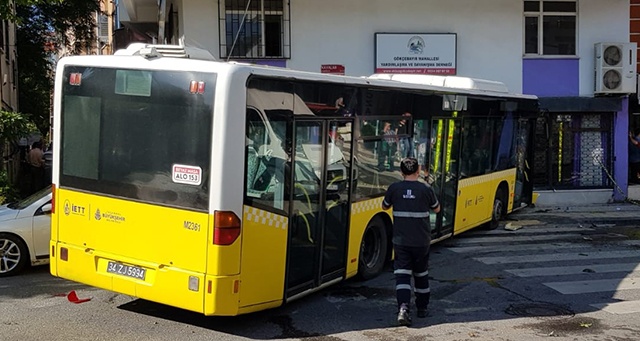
{"x": 183, "y": 174}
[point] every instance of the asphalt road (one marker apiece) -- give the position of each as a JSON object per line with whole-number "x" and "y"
{"x": 556, "y": 277}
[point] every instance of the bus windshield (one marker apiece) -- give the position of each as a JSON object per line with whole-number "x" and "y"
{"x": 138, "y": 134}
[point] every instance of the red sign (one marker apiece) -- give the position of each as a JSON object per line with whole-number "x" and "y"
{"x": 332, "y": 68}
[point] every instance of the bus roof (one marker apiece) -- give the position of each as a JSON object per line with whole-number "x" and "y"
{"x": 164, "y": 57}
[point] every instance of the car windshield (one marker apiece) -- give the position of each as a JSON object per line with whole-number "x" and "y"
{"x": 24, "y": 203}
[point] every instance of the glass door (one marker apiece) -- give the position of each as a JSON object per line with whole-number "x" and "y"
{"x": 319, "y": 204}
{"x": 444, "y": 172}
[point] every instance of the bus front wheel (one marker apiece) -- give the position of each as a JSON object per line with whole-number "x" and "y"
{"x": 498, "y": 211}
{"x": 373, "y": 250}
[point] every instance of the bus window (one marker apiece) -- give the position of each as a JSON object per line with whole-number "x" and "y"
{"x": 266, "y": 159}
{"x": 477, "y": 146}
{"x": 136, "y": 135}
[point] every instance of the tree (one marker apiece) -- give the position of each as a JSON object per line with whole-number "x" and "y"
{"x": 7, "y": 8}
{"x": 13, "y": 126}
{"x": 47, "y": 30}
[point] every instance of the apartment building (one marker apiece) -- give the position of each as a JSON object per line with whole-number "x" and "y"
{"x": 558, "y": 50}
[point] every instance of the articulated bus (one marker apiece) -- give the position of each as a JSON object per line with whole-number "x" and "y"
{"x": 226, "y": 188}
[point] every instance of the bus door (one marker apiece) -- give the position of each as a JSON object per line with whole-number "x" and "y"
{"x": 319, "y": 210}
{"x": 444, "y": 172}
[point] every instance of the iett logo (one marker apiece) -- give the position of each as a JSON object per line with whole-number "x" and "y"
{"x": 409, "y": 195}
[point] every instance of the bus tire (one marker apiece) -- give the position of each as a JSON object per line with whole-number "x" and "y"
{"x": 14, "y": 254}
{"x": 498, "y": 210}
{"x": 373, "y": 249}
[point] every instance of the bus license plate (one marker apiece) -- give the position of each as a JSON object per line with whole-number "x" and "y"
{"x": 126, "y": 270}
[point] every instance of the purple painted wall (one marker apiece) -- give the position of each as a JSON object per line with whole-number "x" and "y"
{"x": 621, "y": 151}
{"x": 550, "y": 77}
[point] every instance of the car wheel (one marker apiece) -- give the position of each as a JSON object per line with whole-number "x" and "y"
{"x": 14, "y": 254}
{"x": 373, "y": 250}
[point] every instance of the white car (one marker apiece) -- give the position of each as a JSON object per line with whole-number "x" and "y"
{"x": 25, "y": 228}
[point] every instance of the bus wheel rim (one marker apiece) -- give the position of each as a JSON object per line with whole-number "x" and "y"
{"x": 497, "y": 209}
{"x": 371, "y": 248}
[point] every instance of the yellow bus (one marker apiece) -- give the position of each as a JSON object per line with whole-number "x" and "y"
{"x": 227, "y": 188}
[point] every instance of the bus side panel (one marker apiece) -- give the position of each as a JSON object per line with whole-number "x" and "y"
{"x": 264, "y": 257}
{"x": 475, "y": 198}
{"x": 221, "y": 295}
{"x": 361, "y": 213}
{"x": 53, "y": 239}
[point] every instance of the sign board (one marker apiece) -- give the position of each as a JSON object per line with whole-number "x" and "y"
{"x": 332, "y": 68}
{"x": 421, "y": 53}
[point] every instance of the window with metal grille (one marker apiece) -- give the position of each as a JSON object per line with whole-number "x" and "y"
{"x": 550, "y": 27}
{"x": 4, "y": 38}
{"x": 573, "y": 151}
{"x": 251, "y": 29}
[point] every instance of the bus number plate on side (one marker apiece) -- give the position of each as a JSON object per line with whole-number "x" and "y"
{"x": 126, "y": 270}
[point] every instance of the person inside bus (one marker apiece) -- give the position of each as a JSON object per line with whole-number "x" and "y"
{"x": 388, "y": 148}
{"x": 406, "y": 143}
{"x": 411, "y": 201}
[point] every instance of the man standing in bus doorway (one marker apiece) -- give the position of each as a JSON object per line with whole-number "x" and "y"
{"x": 406, "y": 143}
{"x": 411, "y": 201}
{"x": 388, "y": 148}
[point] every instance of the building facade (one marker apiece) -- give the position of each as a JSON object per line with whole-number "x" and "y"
{"x": 8, "y": 87}
{"x": 8, "y": 67}
{"x": 548, "y": 48}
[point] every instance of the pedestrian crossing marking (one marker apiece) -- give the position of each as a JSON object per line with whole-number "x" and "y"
{"x": 586, "y": 255}
{"x": 586, "y": 247}
{"x": 512, "y": 239}
{"x": 530, "y": 229}
{"x": 599, "y": 285}
{"x": 574, "y": 270}
{"x": 619, "y": 308}
{"x": 519, "y": 247}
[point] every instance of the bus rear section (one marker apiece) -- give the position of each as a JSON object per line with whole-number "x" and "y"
{"x": 132, "y": 188}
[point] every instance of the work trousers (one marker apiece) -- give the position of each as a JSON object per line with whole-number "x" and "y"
{"x": 412, "y": 262}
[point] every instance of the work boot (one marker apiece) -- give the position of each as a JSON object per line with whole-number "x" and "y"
{"x": 422, "y": 312}
{"x": 404, "y": 316}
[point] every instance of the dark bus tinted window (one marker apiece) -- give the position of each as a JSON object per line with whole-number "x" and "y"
{"x": 143, "y": 135}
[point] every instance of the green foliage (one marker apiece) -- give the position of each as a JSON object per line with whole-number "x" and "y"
{"x": 46, "y": 29}
{"x": 8, "y": 192}
{"x": 7, "y": 7}
{"x": 13, "y": 126}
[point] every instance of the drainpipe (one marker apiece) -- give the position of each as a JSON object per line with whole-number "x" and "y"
{"x": 162, "y": 9}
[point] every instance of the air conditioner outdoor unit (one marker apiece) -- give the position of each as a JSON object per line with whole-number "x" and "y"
{"x": 615, "y": 68}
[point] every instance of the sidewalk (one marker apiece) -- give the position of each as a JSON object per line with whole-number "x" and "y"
{"x": 621, "y": 214}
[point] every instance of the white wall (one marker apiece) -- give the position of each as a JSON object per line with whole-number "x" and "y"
{"x": 342, "y": 32}
{"x": 489, "y": 32}
{"x": 599, "y": 21}
{"x": 199, "y": 24}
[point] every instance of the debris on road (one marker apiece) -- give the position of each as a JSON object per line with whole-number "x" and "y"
{"x": 73, "y": 298}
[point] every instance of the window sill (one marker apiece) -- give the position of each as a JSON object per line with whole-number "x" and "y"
{"x": 539, "y": 56}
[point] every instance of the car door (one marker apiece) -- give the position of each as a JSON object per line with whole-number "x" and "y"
{"x": 41, "y": 227}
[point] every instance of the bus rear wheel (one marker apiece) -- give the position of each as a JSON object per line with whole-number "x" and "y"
{"x": 373, "y": 250}
{"x": 498, "y": 211}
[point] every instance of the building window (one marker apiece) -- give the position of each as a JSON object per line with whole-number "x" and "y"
{"x": 3, "y": 32}
{"x": 254, "y": 29}
{"x": 550, "y": 27}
